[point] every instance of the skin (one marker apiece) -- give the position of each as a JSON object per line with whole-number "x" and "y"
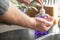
{"x": 16, "y": 17}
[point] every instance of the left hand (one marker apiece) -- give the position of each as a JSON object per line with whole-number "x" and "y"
{"x": 46, "y": 23}
{"x": 50, "y": 19}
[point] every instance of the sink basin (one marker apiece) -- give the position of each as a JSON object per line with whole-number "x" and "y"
{"x": 50, "y": 36}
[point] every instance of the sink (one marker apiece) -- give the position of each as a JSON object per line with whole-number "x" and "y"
{"x": 20, "y": 34}
{"x": 50, "y": 36}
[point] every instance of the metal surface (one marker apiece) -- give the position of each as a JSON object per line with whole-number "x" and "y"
{"x": 13, "y": 32}
{"x": 22, "y": 34}
{"x": 50, "y": 37}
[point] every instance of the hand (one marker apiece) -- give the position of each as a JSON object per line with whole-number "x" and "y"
{"x": 49, "y": 18}
{"x": 40, "y": 1}
{"x": 25, "y": 1}
{"x": 28, "y": 1}
{"x": 44, "y": 24}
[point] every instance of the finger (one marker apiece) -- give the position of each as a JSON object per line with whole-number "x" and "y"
{"x": 39, "y": 19}
{"x": 46, "y": 28}
{"x": 49, "y": 18}
{"x": 46, "y": 18}
{"x": 25, "y": 1}
{"x": 39, "y": 28}
{"x": 40, "y": 1}
{"x": 43, "y": 20}
{"x": 52, "y": 19}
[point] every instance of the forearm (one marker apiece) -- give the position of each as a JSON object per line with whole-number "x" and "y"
{"x": 15, "y": 16}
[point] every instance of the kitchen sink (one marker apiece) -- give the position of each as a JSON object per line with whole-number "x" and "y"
{"x": 51, "y": 36}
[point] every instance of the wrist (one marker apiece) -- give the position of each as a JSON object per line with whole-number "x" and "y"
{"x": 32, "y": 23}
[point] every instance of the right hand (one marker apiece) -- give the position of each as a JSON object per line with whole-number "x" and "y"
{"x": 25, "y": 1}
{"x": 40, "y": 1}
{"x": 28, "y": 1}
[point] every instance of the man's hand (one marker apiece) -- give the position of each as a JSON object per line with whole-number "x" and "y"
{"x": 25, "y": 1}
{"x": 44, "y": 24}
{"x": 28, "y": 1}
{"x": 40, "y": 1}
{"x": 14, "y": 16}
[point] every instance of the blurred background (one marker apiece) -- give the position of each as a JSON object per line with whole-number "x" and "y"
{"x": 14, "y": 32}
